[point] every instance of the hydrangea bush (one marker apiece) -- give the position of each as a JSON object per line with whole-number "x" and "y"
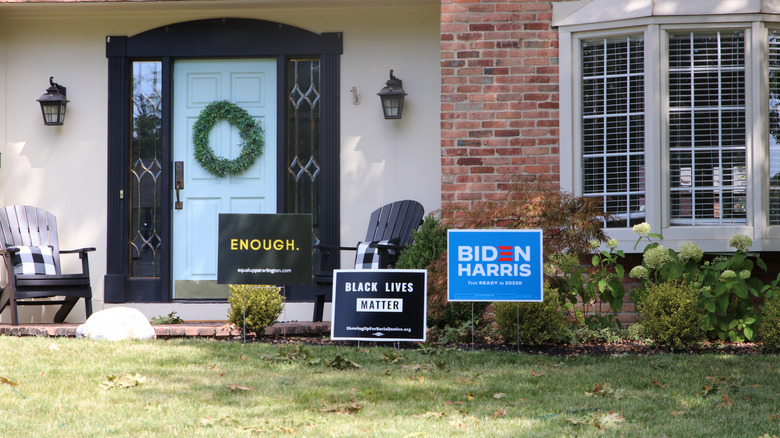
{"x": 600, "y": 284}
{"x": 726, "y": 285}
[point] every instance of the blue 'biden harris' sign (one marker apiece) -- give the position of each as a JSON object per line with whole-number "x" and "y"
{"x": 494, "y": 265}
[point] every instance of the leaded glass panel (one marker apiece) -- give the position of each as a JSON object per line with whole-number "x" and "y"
{"x": 146, "y": 150}
{"x": 303, "y": 140}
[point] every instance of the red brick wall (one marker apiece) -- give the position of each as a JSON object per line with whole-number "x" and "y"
{"x": 499, "y": 108}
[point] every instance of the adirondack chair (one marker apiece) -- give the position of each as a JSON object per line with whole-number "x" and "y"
{"x": 31, "y": 254}
{"x": 389, "y": 232}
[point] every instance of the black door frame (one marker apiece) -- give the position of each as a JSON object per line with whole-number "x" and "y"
{"x": 210, "y": 38}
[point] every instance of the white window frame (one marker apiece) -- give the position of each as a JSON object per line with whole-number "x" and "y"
{"x": 655, "y": 31}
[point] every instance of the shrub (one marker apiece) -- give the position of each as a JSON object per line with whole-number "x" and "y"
{"x": 727, "y": 285}
{"x": 636, "y": 332}
{"x": 602, "y": 284}
{"x": 770, "y": 325}
{"x": 260, "y": 304}
{"x": 569, "y": 223}
{"x": 539, "y": 323}
{"x": 430, "y": 243}
{"x": 671, "y": 316}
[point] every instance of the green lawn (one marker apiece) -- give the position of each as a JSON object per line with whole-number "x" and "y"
{"x": 62, "y": 388}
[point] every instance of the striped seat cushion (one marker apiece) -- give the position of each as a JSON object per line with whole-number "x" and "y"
{"x": 372, "y": 255}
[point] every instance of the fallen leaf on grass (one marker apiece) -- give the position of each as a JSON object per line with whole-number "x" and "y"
{"x": 341, "y": 363}
{"x": 535, "y": 374}
{"x": 499, "y": 395}
{"x": 430, "y": 414}
{"x": 419, "y": 367}
{"x": 714, "y": 386}
{"x": 658, "y": 384}
{"x": 706, "y": 391}
{"x": 235, "y": 388}
{"x": 498, "y": 413}
{"x": 600, "y": 421}
{"x": 611, "y": 419}
{"x": 392, "y": 357}
{"x": 716, "y": 379}
{"x": 727, "y": 401}
{"x": 242, "y": 357}
{"x": 123, "y": 381}
{"x": 348, "y": 408}
{"x": 211, "y": 421}
{"x": 676, "y": 413}
{"x": 7, "y": 382}
{"x": 216, "y": 369}
{"x": 605, "y": 390}
{"x": 464, "y": 424}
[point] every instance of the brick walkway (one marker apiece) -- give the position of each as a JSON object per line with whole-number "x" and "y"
{"x": 212, "y": 329}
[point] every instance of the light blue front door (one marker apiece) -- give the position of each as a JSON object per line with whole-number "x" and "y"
{"x": 250, "y": 84}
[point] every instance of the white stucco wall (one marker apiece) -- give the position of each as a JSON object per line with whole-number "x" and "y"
{"x": 63, "y": 169}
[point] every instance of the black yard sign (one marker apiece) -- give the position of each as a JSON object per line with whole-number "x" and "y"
{"x": 264, "y": 249}
{"x": 379, "y": 305}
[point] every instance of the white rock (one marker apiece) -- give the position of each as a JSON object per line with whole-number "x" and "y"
{"x": 116, "y": 324}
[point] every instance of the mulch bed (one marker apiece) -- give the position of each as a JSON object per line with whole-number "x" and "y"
{"x": 565, "y": 350}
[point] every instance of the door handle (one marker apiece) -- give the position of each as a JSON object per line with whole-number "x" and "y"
{"x": 178, "y": 178}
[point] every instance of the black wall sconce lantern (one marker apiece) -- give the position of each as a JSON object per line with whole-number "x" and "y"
{"x": 392, "y": 96}
{"x": 53, "y": 104}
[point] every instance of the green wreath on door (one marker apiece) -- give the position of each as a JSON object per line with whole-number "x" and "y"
{"x": 250, "y": 131}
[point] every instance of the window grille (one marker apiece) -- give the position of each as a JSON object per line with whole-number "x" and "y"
{"x": 707, "y": 143}
{"x": 774, "y": 128}
{"x": 613, "y": 107}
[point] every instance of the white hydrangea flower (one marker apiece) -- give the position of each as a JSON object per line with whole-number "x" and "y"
{"x": 741, "y": 242}
{"x": 642, "y": 229}
{"x": 690, "y": 252}
{"x": 656, "y": 257}
{"x": 638, "y": 272}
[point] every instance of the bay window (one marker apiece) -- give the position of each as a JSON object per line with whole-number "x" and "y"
{"x": 674, "y": 121}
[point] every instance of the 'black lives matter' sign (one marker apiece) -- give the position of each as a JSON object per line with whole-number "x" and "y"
{"x": 379, "y": 305}
{"x": 270, "y": 249}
